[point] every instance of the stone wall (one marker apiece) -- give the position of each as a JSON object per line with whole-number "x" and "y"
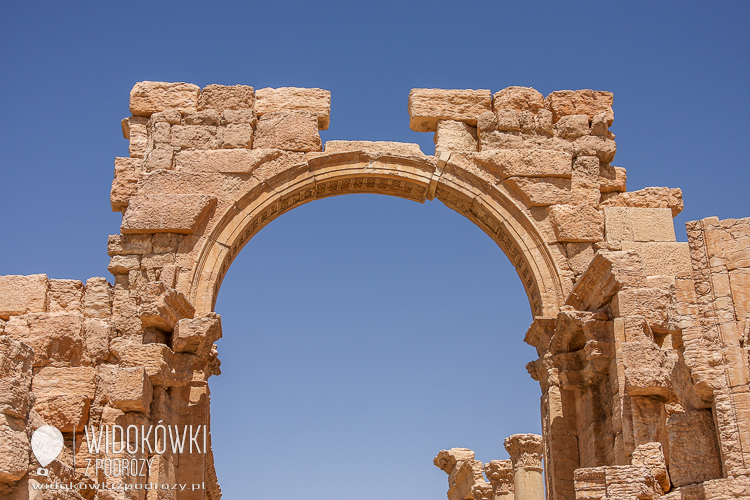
{"x": 642, "y": 341}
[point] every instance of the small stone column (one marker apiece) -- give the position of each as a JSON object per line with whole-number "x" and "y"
{"x": 526, "y": 451}
{"x": 500, "y": 474}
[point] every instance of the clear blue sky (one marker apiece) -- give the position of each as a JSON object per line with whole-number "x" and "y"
{"x": 362, "y": 334}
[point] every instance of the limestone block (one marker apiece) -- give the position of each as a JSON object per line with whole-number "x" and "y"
{"x": 693, "y": 448}
{"x": 638, "y": 224}
{"x": 609, "y": 273}
{"x": 52, "y": 381}
{"x": 579, "y": 256}
{"x": 168, "y": 116}
{"x": 577, "y": 223}
{"x": 579, "y": 102}
{"x": 162, "y": 307}
{"x": 591, "y": 145}
{"x": 232, "y": 161}
{"x": 453, "y": 135}
{"x": 543, "y": 122}
{"x": 619, "y": 482}
{"x": 97, "y": 299}
{"x": 166, "y": 213}
{"x": 123, "y": 264}
{"x": 16, "y": 359}
{"x": 197, "y": 335}
{"x": 57, "y": 338}
{"x": 612, "y": 179}
{"x": 651, "y": 197}
{"x": 208, "y": 117}
{"x": 96, "y": 334}
{"x": 599, "y": 124}
{"x": 572, "y": 126}
{"x": 194, "y": 137}
{"x": 428, "y": 106}
{"x": 288, "y": 130}
{"x": 221, "y": 97}
{"x": 396, "y": 148}
{"x": 651, "y": 303}
{"x": 507, "y": 120}
{"x": 522, "y": 162}
{"x": 236, "y": 116}
{"x": 494, "y": 139}
{"x": 138, "y": 135}
{"x": 238, "y": 135}
{"x": 730, "y": 488}
{"x": 541, "y": 191}
{"x": 128, "y": 244}
{"x": 14, "y": 449}
{"x": 651, "y": 455}
{"x": 147, "y": 98}
{"x": 316, "y": 101}
{"x": 67, "y": 412}
{"x": 518, "y": 98}
{"x": 463, "y": 478}
{"x": 125, "y": 183}
{"x": 647, "y": 369}
{"x": 163, "y": 367}
{"x": 22, "y": 294}
{"x": 129, "y": 388}
{"x": 662, "y": 258}
{"x": 65, "y": 295}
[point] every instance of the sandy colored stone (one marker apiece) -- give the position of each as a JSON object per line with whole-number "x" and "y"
{"x": 123, "y": 264}
{"x": 651, "y": 303}
{"x": 238, "y": 135}
{"x": 428, "y": 106}
{"x": 51, "y": 381}
{"x": 520, "y": 162}
{"x": 65, "y": 296}
{"x": 57, "y": 338}
{"x": 14, "y": 449}
{"x": 288, "y": 130}
{"x": 97, "y": 334}
{"x": 164, "y": 367}
{"x": 128, "y": 389}
{"x": 576, "y": 223}
{"x": 662, "y": 258}
{"x": 572, "y": 126}
{"x": 67, "y": 412}
{"x": 397, "y": 148}
{"x": 237, "y": 116}
{"x": 579, "y": 102}
{"x": 455, "y": 136}
{"x": 619, "y": 482}
{"x": 16, "y": 360}
{"x": 97, "y": 300}
{"x": 22, "y": 294}
{"x": 601, "y": 147}
{"x": 162, "y": 307}
{"x": 651, "y": 197}
{"x": 507, "y": 120}
{"x": 194, "y": 137}
{"x": 221, "y": 97}
{"x": 651, "y": 455}
{"x": 612, "y": 179}
{"x": 638, "y": 224}
{"x": 316, "y": 101}
{"x": 137, "y": 134}
{"x": 125, "y": 183}
{"x": 542, "y": 191}
{"x": 147, "y": 98}
{"x": 518, "y": 98}
{"x": 166, "y": 213}
{"x": 694, "y": 451}
{"x": 196, "y": 335}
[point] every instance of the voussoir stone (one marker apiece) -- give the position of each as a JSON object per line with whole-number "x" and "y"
{"x": 147, "y": 98}
{"x": 428, "y": 106}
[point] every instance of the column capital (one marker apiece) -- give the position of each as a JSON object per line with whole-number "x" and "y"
{"x": 500, "y": 475}
{"x": 525, "y": 450}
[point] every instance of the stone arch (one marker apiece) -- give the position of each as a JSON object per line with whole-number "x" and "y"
{"x": 410, "y": 177}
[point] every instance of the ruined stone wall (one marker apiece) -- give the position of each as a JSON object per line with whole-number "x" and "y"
{"x": 642, "y": 341}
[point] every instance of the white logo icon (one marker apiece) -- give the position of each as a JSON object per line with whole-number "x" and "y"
{"x": 47, "y": 442}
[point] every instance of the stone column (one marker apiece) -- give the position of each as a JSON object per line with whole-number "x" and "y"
{"x": 500, "y": 474}
{"x": 526, "y": 452}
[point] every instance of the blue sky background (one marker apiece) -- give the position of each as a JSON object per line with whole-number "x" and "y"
{"x": 362, "y": 334}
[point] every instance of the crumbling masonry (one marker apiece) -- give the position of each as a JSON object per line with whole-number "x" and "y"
{"x": 643, "y": 341}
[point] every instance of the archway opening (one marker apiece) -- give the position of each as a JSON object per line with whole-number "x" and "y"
{"x": 362, "y": 334}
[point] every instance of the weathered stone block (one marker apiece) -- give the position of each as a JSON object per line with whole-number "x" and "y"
{"x": 14, "y": 449}
{"x": 651, "y": 455}
{"x": 147, "y": 98}
{"x": 662, "y": 258}
{"x": 123, "y": 264}
{"x": 125, "y": 183}
{"x": 518, "y": 98}
{"x": 166, "y": 213}
{"x": 164, "y": 367}
{"x": 221, "y": 97}
{"x": 16, "y": 360}
{"x": 67, "y": 412}
{"x": 577, "y": 223}
{"x": 288, "y": 130}
{"x": 194, "y": 137}
{"x": 507, "y": 120}
{"x": 455, "y": 136}
{"x": 236, "y": 116}
{"x": 197, "y": 335}
{"x": 97, "y": 299}
{"x": 428, "y": 106}
{"x": 579, "y": 102}
{"x": 651, "y": 303}
{"x": 612, "y": 179}
{"x": 65, "y": 296}
{"x": 572, "y": 126}
{"x": 78, "y": 380}
{"x": 693, "y": 448}
{"x": 638, "y": 224}
{"x": 397, "y": 148}
{"x": 651, "y": 197}
{"x": 162, "y": 307}
{"x": 129, "y": 388}
{"x": 316, "y": 101}
{"x": 542, "y": 191}
{"x": 22, "y": 294}
{"x": 96, "y": 334}
{"x": 591, "y": 145}
{"x": 239, "y": 135}
{"x": 56, "y": 337}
